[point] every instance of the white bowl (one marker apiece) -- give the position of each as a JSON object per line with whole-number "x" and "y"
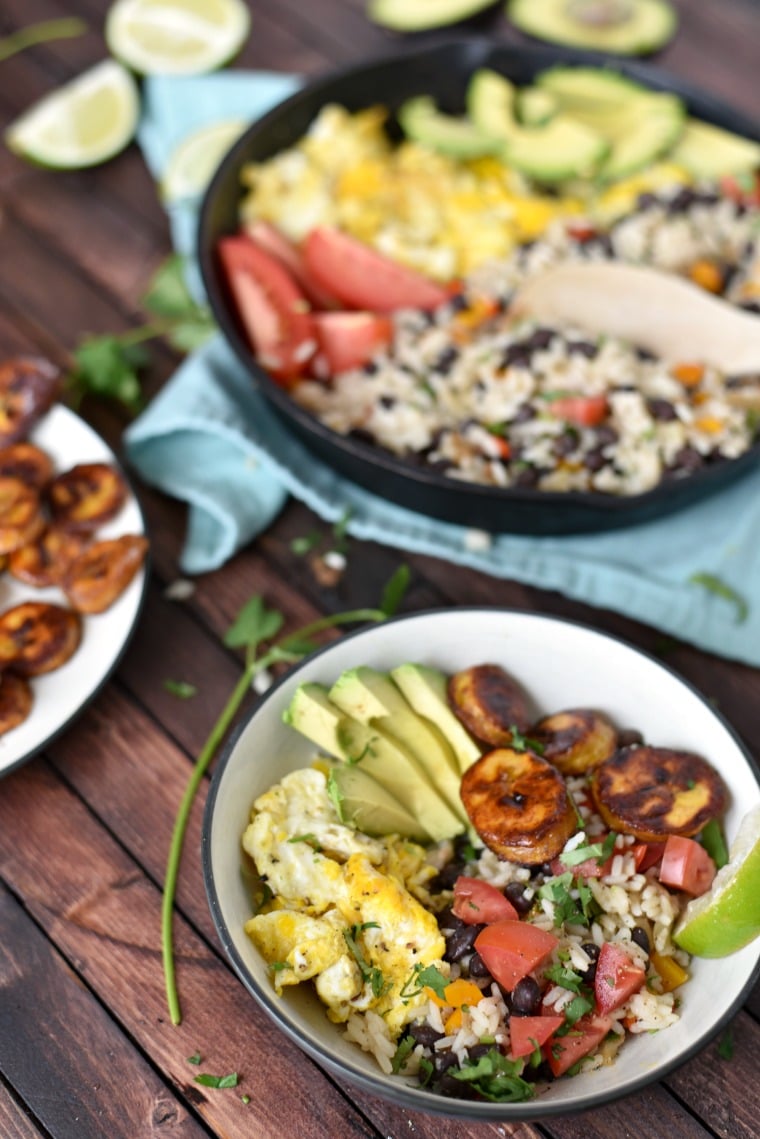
{"x": 561, "y": 664}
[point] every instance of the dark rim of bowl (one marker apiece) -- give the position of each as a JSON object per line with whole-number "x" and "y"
{"x": 407, "y": 1095}
{"x": 603, "y": 505}
{"x": 145, "y": 571}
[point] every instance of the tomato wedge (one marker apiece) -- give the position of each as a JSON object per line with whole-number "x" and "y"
{"x": 646, "y": 854}
{"x": 349, "y": 339}
{"x": 273, "y": 310}
{"x": 269, "y": 238}
{"x": 561, "y": 1052}
{"x": 362, "y": 278}
{"x": 478, "y": 903}
{"x": 686, "y": 866}
{"x": 583, "y": 410}
{"x": 526, "y": 1033}
{"x": 617, "y": 978}
{"x": 512, "y": 949}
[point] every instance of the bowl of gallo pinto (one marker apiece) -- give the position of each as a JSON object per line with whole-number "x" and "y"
{"x": 362, "y": 243}
{"x": 490, "y": 879}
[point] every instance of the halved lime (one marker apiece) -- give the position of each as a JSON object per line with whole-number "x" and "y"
{"x": 86, "y": 121}
{"x": 192, "y": 164}
{"x": 727, "y": 917}
{"x": 176, "y": 37}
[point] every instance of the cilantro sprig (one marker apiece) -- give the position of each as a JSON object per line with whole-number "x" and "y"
{"x": 110, "y": 365}
{"x": 423, "y": 977}
{"x": 370, "y": 974}
{"x": 254, "y": 627}
{"x": 496, "y": 1078}
{"x": 600, "y": 851}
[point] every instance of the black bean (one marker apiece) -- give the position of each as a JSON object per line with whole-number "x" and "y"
{"x": 647, "y": 200}
{"x": 370, "y": 368}
{"x": 591, "y": 949}
{"x": 640, "y": 937}
{"x": 582, "y": 348}
{"x": 527, "y": 476}
{"x": 442, "y": 1061}
{"x": 565, "y": 444}
{"x": 682, "y": 201}
{"x": 477, "y": 966}
{"x": 461, "y": 942}
{"x": 360, "y": 434}
{"x": 595, "y": 459}
{"x": 463, "y": 847}
{"x": 524, "y": 413}
{"x": 516, "y": 354}
{"x": 478, "y": 1051}
{"x": 387, "y": 401}
{"x": 662, "y": 410}
{"x": 458, "y": 303}
{"x": 446, "y": 360}
{"x": 447, "y": 919}
{"x": 447, "y": 876}
{"x": 540, "y": 339}
{"x": 629, "y": 737}
{"x": 686, "y": 461}
{"x": 526, "y": 997}
{"x": 425, "y": 1034}
{"x": 515, "y": 893}
{"x": 605, "y": 435}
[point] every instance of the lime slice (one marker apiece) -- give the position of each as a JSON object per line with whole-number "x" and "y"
{"x": 176, "y": 37}
{"x": 193, "y": 163}
{"x": 82, "y": 123}
{"x": 727, "y": 917}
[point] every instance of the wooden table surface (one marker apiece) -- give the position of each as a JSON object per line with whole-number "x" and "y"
{"x": 86, "y": 1046}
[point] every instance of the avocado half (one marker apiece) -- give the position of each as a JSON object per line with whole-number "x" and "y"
{"x": 419, "y": 15}
{"x": 645, "y": 27}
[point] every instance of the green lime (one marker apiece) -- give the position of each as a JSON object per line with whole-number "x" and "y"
{"x": 192, "y": 164}
{"x": 86, "y": 121}
{"x": 176, "y": 37}
{"x": 727, "y": 917}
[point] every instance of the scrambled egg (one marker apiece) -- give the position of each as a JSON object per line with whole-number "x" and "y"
{"x": 443, "y": 216}
{"x": 343, "y": 913}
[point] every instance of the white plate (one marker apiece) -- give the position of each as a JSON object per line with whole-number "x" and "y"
{"x": 61, "y": 695}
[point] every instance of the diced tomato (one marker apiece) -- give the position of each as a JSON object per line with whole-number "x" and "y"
{"x": 362, "y": 278}
{"x": 478, "y": 903}
{"x": 616, "y": 979}
{"x": 273, "y": 310}
{"x": 350, "y": 339}
{"x": 583, "y": 410}
{"x": 511, "y": 949}
{"x": 646, "y": 854}
{"x": 561, "y": 1052}
{"x": 269, "y": 238}
{"x": 582, "y": 231}
{"x": 742, "y": 188}
{"x": 686, "y": 866}
{"x": 589, "y": 868}
{"x": 526, "y": 1033}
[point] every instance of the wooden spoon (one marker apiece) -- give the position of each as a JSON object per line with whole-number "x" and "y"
{"x": 657, "y": 311}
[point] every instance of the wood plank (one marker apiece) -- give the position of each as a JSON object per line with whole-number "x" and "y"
{"x": 55, "y": 1071}
{"x": 14, "y": 1121}
{"x": 103, "y": 914}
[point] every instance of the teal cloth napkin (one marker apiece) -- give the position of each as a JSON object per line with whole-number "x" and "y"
{"x": 210, "y": 439}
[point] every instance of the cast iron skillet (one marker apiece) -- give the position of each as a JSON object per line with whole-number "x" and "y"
{"x": 442, "y": 71}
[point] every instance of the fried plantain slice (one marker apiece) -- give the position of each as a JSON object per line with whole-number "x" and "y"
{"x": 652, "y": 792}
{"x": 86, "y": 496}
{"x": 519, "y": 806}
{"x": 489, "y": 702}
{"x": 15, "y": 701}
{"x": 28, "y": 387}
{"x": 21, "y": 517}
{"x": 576, "y": 740}
{"x": 101, "y": 573}
{"x": 37, "y": 637}
{"x": 26, "y": 462}
{"x": 44, "y": 562}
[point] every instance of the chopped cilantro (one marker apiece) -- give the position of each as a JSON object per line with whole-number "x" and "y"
{"x": 524, "y": 743}
{"x": 573, "y": 1011}
{"x": 399, "y": 1057}
{"x": 598, "y": 850}
{"x": 310, "y": 840}
{"x": 180, "y": 688}
{"x": 496, "y": 1078}
{"x": 423, "y": 976}
{"x": 370, "y": 973}
{"x": 195, "y": 1058}
{"x": 717, "y": 586}
{"x": 426, "y": 1071}
{"x": 574, "y": 910}
{"x": 564, "y": 977}
{"x": 278, "y": 966}
{"x": 245, "y": 1099}
{"x": 303, "y": 545}
{"x": 335, "y": 795}
{"x": 229, "y": 1081}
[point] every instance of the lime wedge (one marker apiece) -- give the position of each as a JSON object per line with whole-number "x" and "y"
{"x": 193, "y": 163}
{"x": 727, "y": 917}
{"x": 176, "y": 37}
{"x": 82, "y": 123}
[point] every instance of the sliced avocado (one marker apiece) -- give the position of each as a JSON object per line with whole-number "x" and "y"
{"x": 584, "y": 85}
{"x": 561, "y": 149}
{"x": 313, "y": 714}
{"x": 421, "y": 120}
{"x": 373, "y": 699}
{"x": 364, "y": 803}
{"x": 707, "y": 151}
{"x": 635, "y": 29}
{"x": 536, "y": 107}
{"x": 418, "y": 15}
{"x": 653, "y": 126}
{"x": 425, "y": 690}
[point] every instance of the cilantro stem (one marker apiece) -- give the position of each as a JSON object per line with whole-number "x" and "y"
{"x": 278, "y": 652}
{"x": 41, "y": 32}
